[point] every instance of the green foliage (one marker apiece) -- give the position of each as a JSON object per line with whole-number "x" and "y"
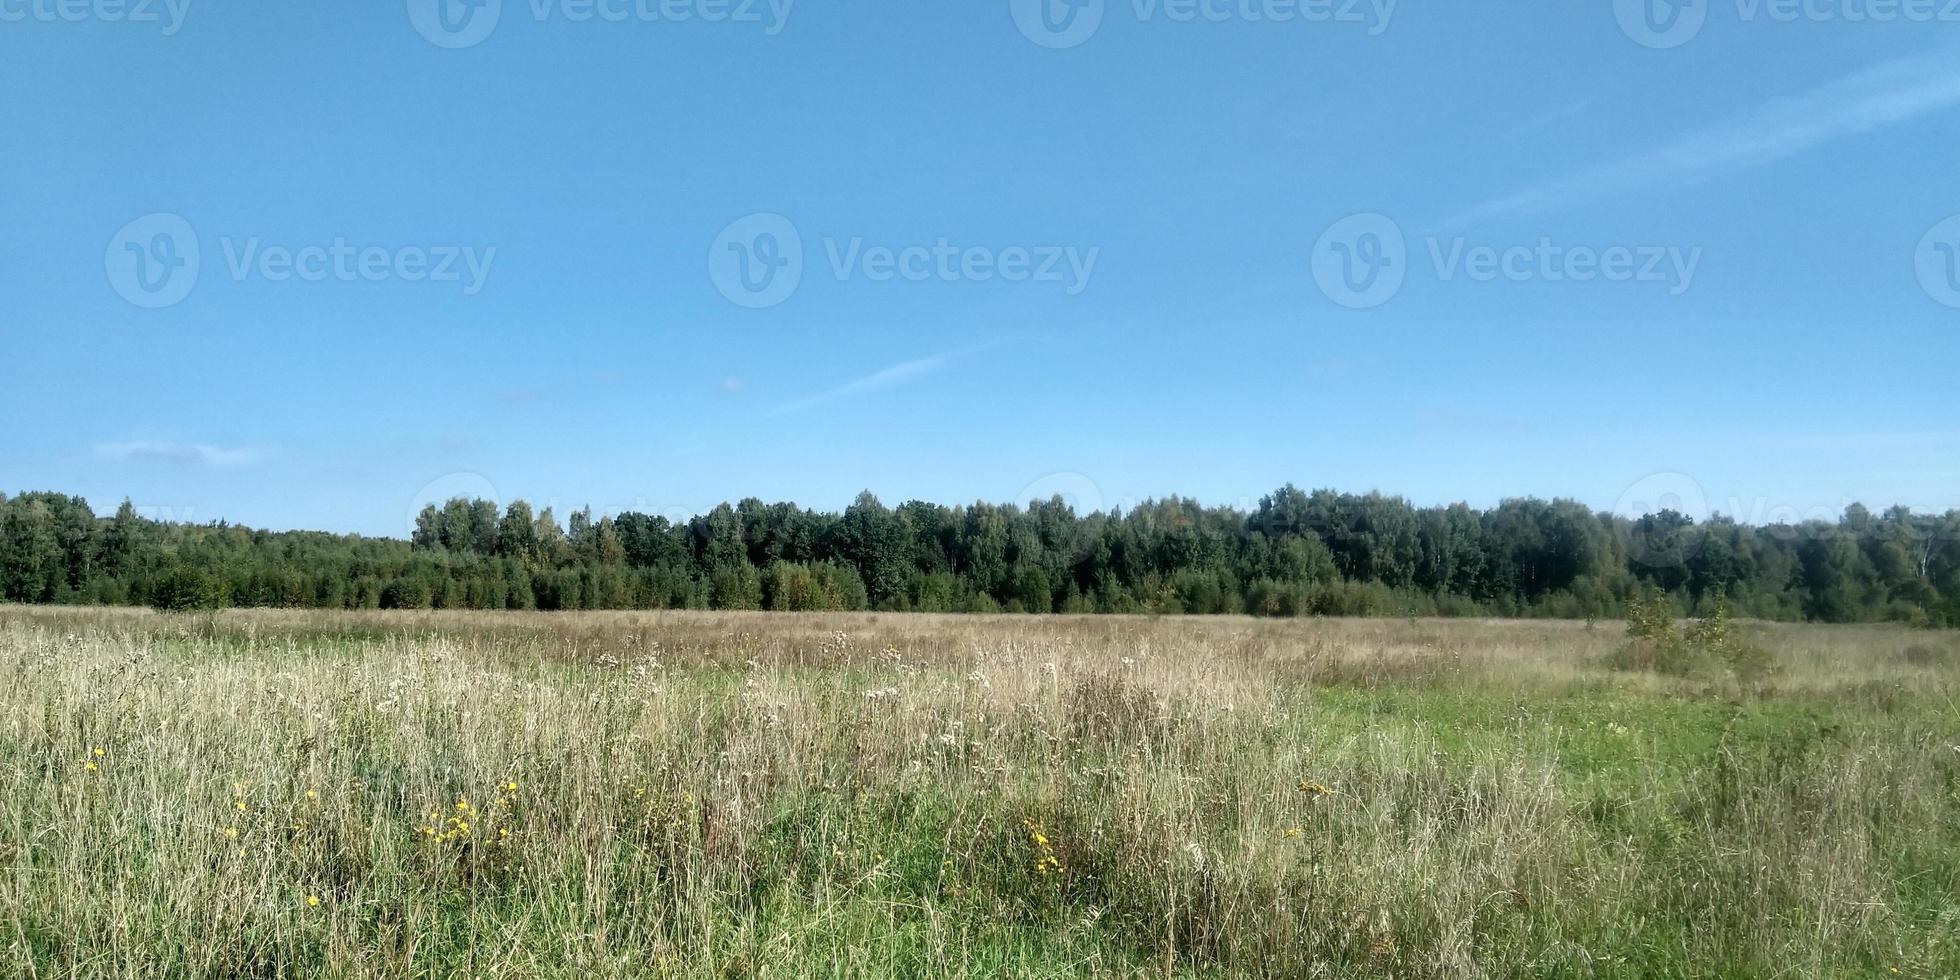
{"x": 186, "y": 589}
{"x": 825, "y": 587}
{"x": 1713, "y": 643}
{"x": 1650, "y": 617}
{"x": 736, "y": 586}
{"x": 1295, "y": 554}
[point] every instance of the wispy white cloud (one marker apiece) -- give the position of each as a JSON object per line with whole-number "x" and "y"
{"x": 1890, "y": 93}
{"x": 890, "y": 377}
{"x": 181, "y": 453}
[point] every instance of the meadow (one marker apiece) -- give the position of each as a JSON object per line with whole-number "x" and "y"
{"x": 439, "y": 794}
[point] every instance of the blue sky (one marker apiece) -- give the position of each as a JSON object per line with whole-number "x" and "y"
{"x": 1450, "y": 251}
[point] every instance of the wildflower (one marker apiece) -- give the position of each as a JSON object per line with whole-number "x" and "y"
{"x": 312, "y": 794}
{"x": 1292, "y": 832}
{"x": 89, "y": 767}
{"x": 1046, "y": 862}
{"x": 1312, "y": 788}
{"x": 510, "y": 786}
{"x": 100, "y": 752}
{"x": 231, "y": 833}
{"x": 312, "y": 901}
{"x": 240, "y": 805}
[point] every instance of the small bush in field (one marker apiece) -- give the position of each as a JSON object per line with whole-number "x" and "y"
{"x": 1711, "y": 644}
{"x": 1718, "y": 635}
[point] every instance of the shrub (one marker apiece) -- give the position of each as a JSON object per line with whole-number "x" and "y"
{"x": 186, "y": 589}
{"x": 1712, "y": 644}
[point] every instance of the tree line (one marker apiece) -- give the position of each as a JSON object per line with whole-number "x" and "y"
{"x": 1297, "y": 553}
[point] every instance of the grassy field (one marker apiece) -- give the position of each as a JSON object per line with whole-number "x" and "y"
{"x": 268, "y": 794}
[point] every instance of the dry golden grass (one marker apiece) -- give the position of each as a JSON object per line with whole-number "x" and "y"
{"x": 695, "y": 794}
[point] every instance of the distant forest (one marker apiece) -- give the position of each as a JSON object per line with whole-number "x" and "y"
{"x": 1298, "y": 554}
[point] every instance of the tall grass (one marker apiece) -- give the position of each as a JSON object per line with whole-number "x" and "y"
{"x": 717, "y": 795}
